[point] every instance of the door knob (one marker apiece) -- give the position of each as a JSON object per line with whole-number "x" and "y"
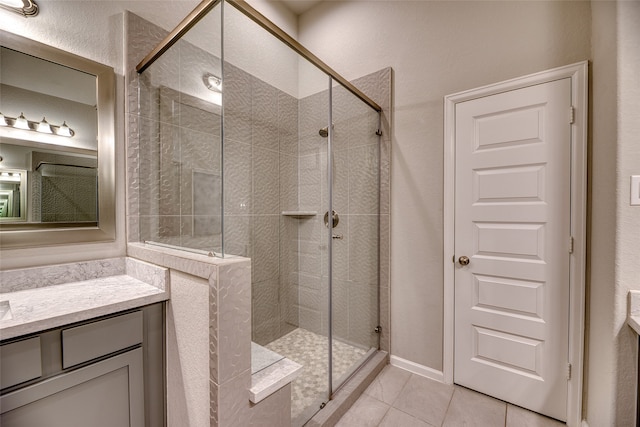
{"x": 463, "y": 260}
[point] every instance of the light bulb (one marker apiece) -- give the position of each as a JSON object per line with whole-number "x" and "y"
{"x": 44, "y": 126}
{"x": 19, "y": 4}
{"x": 64, "y": 130}
{"x": 21, "y": 122}
{"x": 13, "y": 3}
{"x": 212, "y": 82}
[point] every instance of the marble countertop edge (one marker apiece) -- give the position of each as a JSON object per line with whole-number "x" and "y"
{"x": 273, "y": 378}
{"x": 37, "y": 310}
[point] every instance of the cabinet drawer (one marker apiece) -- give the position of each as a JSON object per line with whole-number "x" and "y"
{"x": 87, "y": 342}
{"x": 20, "y": 362}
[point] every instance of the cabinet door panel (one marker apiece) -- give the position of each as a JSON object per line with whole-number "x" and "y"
{"x": 20, "y": 362}
{"x": 105, "y": 394}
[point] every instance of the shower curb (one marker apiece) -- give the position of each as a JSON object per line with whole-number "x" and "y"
{"x": 350, "y": 392}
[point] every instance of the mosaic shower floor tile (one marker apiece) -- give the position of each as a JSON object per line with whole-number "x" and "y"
{"x": 311, "y": 351}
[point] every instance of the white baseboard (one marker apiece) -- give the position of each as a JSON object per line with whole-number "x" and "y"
{"x": 417, "y": 369}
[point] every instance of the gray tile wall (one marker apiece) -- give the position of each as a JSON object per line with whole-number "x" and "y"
{"x": 312, "y": 304}
{"x": 260, "y": 168}
{"x": 360, "y": 188}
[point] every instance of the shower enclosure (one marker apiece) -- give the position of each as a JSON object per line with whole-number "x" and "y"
{"x": 250, "y": 146}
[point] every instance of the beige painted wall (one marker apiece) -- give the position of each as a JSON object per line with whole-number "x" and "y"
{"x": 628, "y": 225}
{"x": 600, "y": 340}
{"x": 435, "y": 48}
{"x": 615, "y": 232}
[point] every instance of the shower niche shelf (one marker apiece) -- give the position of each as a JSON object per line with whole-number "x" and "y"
{"x": 299, "y": 214}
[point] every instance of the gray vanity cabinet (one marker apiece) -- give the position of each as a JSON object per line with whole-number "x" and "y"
{"x": 102, "y": 373}
{"x": 104, "y": 394}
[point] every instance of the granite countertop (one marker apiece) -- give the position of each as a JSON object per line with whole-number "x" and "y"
{"x": 50, "y": 305}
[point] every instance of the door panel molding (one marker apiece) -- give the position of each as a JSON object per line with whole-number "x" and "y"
{"x": 578, "y": 73}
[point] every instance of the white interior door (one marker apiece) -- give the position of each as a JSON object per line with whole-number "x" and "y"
{"x": 512, "y": 220}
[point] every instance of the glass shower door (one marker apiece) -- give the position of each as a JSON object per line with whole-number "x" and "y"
{"x": 354, "y": 188}
{"x": 275, "y": 103}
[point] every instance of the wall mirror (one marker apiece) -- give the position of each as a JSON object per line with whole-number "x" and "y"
{"x": 57, "y": 164}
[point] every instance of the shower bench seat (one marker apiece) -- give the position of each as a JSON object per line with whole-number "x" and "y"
{"x": 269, "y": 372}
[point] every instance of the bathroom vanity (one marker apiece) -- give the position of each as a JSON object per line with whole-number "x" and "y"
{"x": 88, "y": 373}
{"x": 89, "y": 352}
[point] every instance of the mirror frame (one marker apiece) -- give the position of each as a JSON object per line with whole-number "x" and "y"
{"x": 17, "y": 235}
{"x": 23, "y": 196}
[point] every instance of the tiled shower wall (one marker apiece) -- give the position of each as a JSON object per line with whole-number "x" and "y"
{"x": 176, "y": 183}
{"x": 274, "y": 161}
{"x": 174, "y": 145}
{"x": 260, "y": 167}
{"x": 357, "y": 198}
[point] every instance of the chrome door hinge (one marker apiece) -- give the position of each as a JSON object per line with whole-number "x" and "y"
{"x": 568, "y": 371}
{"x": 571, "y": 244}
{"x": 572, "y": 115}
{"x": 378, "y": 329}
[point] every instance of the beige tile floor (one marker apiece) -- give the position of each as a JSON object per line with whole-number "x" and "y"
{"x": 399, "y": 398}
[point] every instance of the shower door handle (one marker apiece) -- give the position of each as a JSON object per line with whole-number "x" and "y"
{"x": 335, "y": 219}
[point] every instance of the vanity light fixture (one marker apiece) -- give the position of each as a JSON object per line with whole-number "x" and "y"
{"x": 42, "y": 126}
{"x": 21, "y": 122}
{"x": 26, "y": 8}
{"x": 212, "y": 82}
{"x": 64, "y": 130}
{"x": 10, "y": 177}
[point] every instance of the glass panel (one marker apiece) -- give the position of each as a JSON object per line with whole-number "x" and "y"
{"x": 275, "y": 103}
{"x": 180, "y": 147}
{"x": 355, "y": 199}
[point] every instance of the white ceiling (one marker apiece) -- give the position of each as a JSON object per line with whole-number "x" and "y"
{"x": 299, "y": 7}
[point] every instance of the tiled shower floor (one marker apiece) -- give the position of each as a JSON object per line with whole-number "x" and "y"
{"x": 310, "y": 350}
